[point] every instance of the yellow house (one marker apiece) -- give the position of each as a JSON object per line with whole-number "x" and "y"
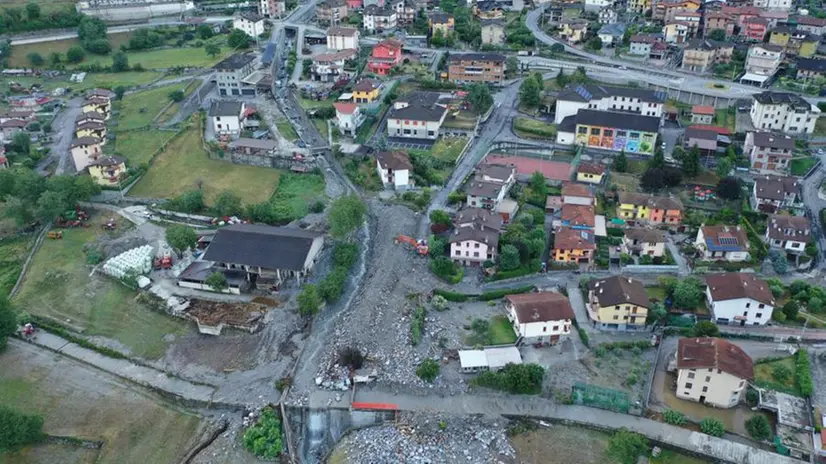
{"x": 574, "y": 246}
{"x": 366, "y": 91}
{"x": 803, "y": 44}
{"x": 780, "y": 36}
{"x": 439, "y": 21}
{"x": 573, "y": 31}
{"x": 91, "y": 129}
{"x": 98, "y": 104}
{"x": 591, "y": 173}
{"x": 649, "y": 208}
{"x": 617, "y": 302}
{"x": 639, "y": 6}
{"x": 107, "y": 170}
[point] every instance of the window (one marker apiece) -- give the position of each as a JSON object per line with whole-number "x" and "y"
{"x": 745, "y": 313}
{"x": 608, "y": 133}
{"x": 719, "y": 371}
{"x": 705, "y": 389}
{"x": 710, "y": 369}
{"x": 758, "y": 315}
{"x": 475, "y": 245}
{"x": 475, "y": 254}
{"x": 458, "y": 253}
{"x": 690, "y": 375}
{"x": 748, "y": 305}
{"x": 556, "y": 328}
{"x": 616, "y": 318}
{"x": 545, "y": 329}
{"x": 595, "y": 131}
{"x": 761, "y": 306}
{"x": 708, "y": 378}
{"x": 689, "y": 385}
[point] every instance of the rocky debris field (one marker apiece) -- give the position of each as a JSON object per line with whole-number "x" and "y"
{"x": 429, "y": 438}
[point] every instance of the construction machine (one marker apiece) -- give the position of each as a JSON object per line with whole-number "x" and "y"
{"x": 419, "y": 245}
{"x": 164, "y": 262}
{"x": 109, "y": 225}
{"x": 55, "y": 234}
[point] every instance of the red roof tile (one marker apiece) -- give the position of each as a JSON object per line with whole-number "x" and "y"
{"x": 714, "y": 353}
{"x": 552, "y": 170}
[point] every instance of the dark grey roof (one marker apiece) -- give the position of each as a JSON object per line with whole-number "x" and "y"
{"x": 476, "y": 232}
{"x": 479, "y": 217}
{"x": 627, "y": 121}
{"x": 568, "y": 124}
{"x": 781, "y": 98}
{"x": 776, "y": 187}
{"x": 698, "y": 132}
{"x": 225, "y": 108}
{"x": 250, "y": 16}
{"x": 236, "y": 61}
{"x": 395, "y": 160}
{"x": 439, "y": 17}
{"x": 492, "y": 22}
{"x": 485, "y": 189}
{"x": 261, "y": 246}
{"x": 108, "y": 161}
{"x": 811, "y": 64}
{"x": 81, "y": 141}
{"x": 707, "y": 44}
{"x": 495, "y": 57}
{"x": 269, "y": 53}
{"x": 618, "y": 290}
{"x": 773, "y": 140}
{"x": 613, "y": 29}
{"x": 421, "y": 106}
{"x": 588, "y": 92}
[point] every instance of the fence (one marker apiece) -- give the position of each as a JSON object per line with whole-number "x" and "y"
{"x": 595, "y": 396}
{"x": 655, "y": 268}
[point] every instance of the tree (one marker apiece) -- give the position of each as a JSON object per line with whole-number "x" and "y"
{"x": 729, "y": 188}
{"x": 558, "y": 48}
{"x": 529, "y": 93}
{"x": 691, "y": 162}
{"x": 621, "y": 161}
{"x": 672, "y": 176}
{"x": 713, "y": 427}
{"x": 120, "y": 62}
{"x": 539, "y": 79}
{"x": 181, "y": 237}
{"x": 18, "y": 429}
{"x": 658, "y": 160}
{"x": 790, "y": 309}
{"x": 190, "y": 201}
{"x": 724, "y": 166}
{"x": 32, "y": 11}
{"x": 346, "y": 215}
{"x": 594, "y": 44}
{"x": 779, "y": 262}
{"x": 705, "y": 329}
{"x": 264, "y": 438}
{"x": 75, "y": 55}
{"x": 652, "y": 180}
{"x": 626, "y": 446}
{"x": 228, "y": 204}
{"x": 217, "y": 281}
{"x": 309, "y": 300}
{"x": 759, "y": 427}
{"x": 99, "y": 46}
{"x": 440, "y": 217}
{"x": 55, "y": 58}
{"x": 438, "y": 39}
{"x": 119, "y": 91}
{"x": 688, "y": 293}
{"x": 176, "y": 95}
{"x": 8, "y": 324}
{"x": 35, "y": 59}
{"x": 238, "y": 39}
{"x": 19, "y": 211}
{"x": 50, "y": 205}
{"x": 480, "y": 327}
{"x": 538, "y": 184}
{"x": 717, "y": 34}
{"x": 480, "y": 97}
{"x": 212, "y": 49}
{"x": 21, "y": 142}
{"x": 509, "y": 257}
{"x": 203, "y": 32}
{"x": 91, "y": 28}
{"x": 561, "y": 78}
{"x": 428, "y": 370}
{"x": 656, "y": 314}
{"x": 511, "y": 66}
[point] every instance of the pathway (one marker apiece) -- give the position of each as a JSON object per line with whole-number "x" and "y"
{"x": 679, "y": 259}
{"x": 578, "y": 304}
{"x": 64, "y": 131}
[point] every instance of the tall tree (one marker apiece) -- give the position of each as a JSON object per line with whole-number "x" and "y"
{"x": 723, "y": 167}
{"x": 50, "y": 205}
{"x": 480, "y": 97}
{"x": 691, "y": 162}
{"x": 238, "y": 39}
{"x": 212, "y": 50}
{"x": 730, "y": 188}
{"x": 346, "y": 215}
{"x": 32, "y": 11}
{"x": 658, "y": 160}
{"x": 120, "y": 62}
{"x": 75, "y": 55}
{"x": 529, "y": 93}
{"x": 228, "y": 204}
{"x": 620, "y": 162}
{"x": 181, "y": 237}
{"x": 511, "y": 66}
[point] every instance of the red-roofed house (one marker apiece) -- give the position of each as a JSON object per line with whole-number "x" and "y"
{"x": 702, "y": 114}
{"x": 755, "y": 28}
{"x": 712, "y": 371}
{"x": 574, "y": 245}
{"x": 539, "y": 317}
{"x": 591, "y": 173}
{"x": 555, "y": 172}
{"x": 348, "y": 118}
{"x": 385, "y": 55}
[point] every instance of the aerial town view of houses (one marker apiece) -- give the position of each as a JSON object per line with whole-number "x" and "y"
{"x": 413, "y": 231}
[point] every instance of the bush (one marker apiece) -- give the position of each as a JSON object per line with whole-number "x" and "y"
{"x": 752, "y": 397}
{"x": 439, "y": 303}
{"x": 309, "y": 300}
{"x": 626, "y": 447}
{"x": 759, "y": 427}
{"x": 496, "y": 294}
{"x": 351, "y": 357}
{"x": 317, "y": 207}
{"x": 181, "y": 237}
{"x": 428, "y": 370}
{"x": 803, "y": 374}
{"x": 417, "y": 326}
{"x": 522, "y": 379}
{"x": 282, "y": 383}
{"x": 451, "y": 296}
{"x": 264, "y": 438}
{"x": 713, "y": 427}
{"x": 781, "y": 373}
{"x": 674, "y": 417}
{"x": 18, "y": 429}
{"x": 583, "y": 335}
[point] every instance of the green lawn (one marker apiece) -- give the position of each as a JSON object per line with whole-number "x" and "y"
{"x": 820, "y": 127}
{"x": 726, "y": 119}
{"x": 139, "y": 109}
{"x": 299, "y": 191}
{"x": 534, "y": 129}
{"x": 448, "y": 148}
{"x": 13, "y": 252}
{"x": 46, "y": 6}
{"x": 170, "y": 57}
{"x": 58, "y": 285}
{"x": 172, "y": 110}
{"x": 321, "y": 127}
{"x": 763, "y": 376}
{"x": 636, "y": 166}
{"x": 286, "y": 130}
{"x": 656, "y": 292}
{"x": 112, "y": 80}
{"x": 801, "y": 166}
{"x": 139, "y": 146}
{"x": 308, "y": 104}
{"x": 500, "y": 332}
{"x": 19, "y": 53}
{"x": 184, "y": 164}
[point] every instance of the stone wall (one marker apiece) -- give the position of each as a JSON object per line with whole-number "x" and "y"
{"x": 274, "y": 161}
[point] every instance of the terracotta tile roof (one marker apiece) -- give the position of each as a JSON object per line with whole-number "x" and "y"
{"x": 367, "y": 85}
{"x": 591, "y": 168}
{"x": 578, "y": 215}
{"x": 783, "y": 227}
{"x": 725, "y": 238}
{"x": 618, "y": 290}
{"x": 572, "y": 189}
{"x": 702, "y": 109}
{"x": 734, "y": 285}
{"x": 395, "y": 160}
{"x": 714, "y": 353}
{"x": 645, "y": 235}
{"x": 541, "y": 307}
{"x": 485, "y": 189}
{"x": 345, "y": 108}
{"x": 572, "y": 239}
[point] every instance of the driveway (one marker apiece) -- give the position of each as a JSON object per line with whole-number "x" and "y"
{"x": 64, "y": 127}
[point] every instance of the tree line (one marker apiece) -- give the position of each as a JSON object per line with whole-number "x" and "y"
{"x": 30, "y": 197}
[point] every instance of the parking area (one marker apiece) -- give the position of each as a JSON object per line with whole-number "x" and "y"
{"x": 399, "y": 142}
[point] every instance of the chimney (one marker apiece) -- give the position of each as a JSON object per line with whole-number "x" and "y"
{"x": 600, "y": 291}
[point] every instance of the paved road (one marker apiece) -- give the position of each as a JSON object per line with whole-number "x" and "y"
{"x": 64, "y": 131}
{"x": 815, "y": 204}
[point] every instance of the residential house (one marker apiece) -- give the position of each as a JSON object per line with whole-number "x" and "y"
{"x": 377, "y": 19}
{"x": 379, "y": 3}
{"x": 267, "y": 255}
{"x": 331, "y": 11}
{"x": 92, "y": 116}
{"x": 329, "y": 67}
{"x": 783, "y": 111}
{"x": 230, "y": 73}
{"x": 439, "y": 21}
{"x": 272, "y": 8}
{"x": 573, "y": 31}
{"x": 802, "y": 44}
{"x": 613, "y": 130}
{"x": 617, "y": 302}
{"x": 717, "y": 20}
{"x": 762, "y": 63}
{"x": 774, "y": 17}
{"x": 539, "y": 318}
{"x": 611, "y": 34}
{"x": 577, "y": 194}
{"x": 86, "y": 129}
{"x": 394, "y": 169}
{"x": 579, "y": 217}
{"x": 664, "y": 10}
{"x": 702, "y": 114}
{"x": 591, "y": 173}
{"x": 789, "y": 234}
{"x": 640, "y": 44}
{"x": 712, "y": 371}
{"x": 385, "y": 55}
{"x": 10, "y": 127}
{"x": 722, "y": 243}
{"x": 473, "y": 245}
{"x": 739, "y": 298}
{"x": 488, "y": 9}
{"x": 689, "y": 18}
{"x": 639, "y": 6}
{"x": 810, "y": 69}
{"x": 773, "y": 193}
{"x": 24, "y": 115}
{"x": 493, "y": 32}
{"x": 783, "y": 5}
{"x": 254, "y": 147}
{"x": 348, "y": 118}
{"x": 107, "y": 170}
{"x": 754, "y": 28}
{"x": 468, "y": 68}
{"x": 417, "y": 115}
{"x": 781, "y": 35}
{"x": 342, "y": 38}
{"x": 84, "y": 151}
{"x": 710, "y": 140}
{"x": 367, "y": 91}
{"x": 641, "y": 241}
{"x": 594, "y": 5}
{"x": 607, "y": 15}
{"x": 501, "y": 173}
{"x": 577, "y": 97}
{"x": 470, "y": 217}
{"x": 485, "y": 194}
{"x": 769, "y": 152}
{"x": 676, "y": 32}
{"x": 811, "y": 24}
{"x": 651, "y": 209}
{"x": 226, "y": 117}
{"x": 702, "y": 55}
{"x": 574, "y": 245}
{"x": 98, "y": 104}
{"x": 251, "y": 23}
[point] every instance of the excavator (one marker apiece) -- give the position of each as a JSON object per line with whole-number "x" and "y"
{"x": 419, "y": 245}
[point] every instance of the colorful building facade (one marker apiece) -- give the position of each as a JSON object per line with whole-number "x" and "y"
{"x": 617, "y": 131}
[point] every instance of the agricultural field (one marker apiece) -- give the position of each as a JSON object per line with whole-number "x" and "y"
{"x": 173, "y": 109}
{"x": 58, "y": 285}
{"x": 78, "y": 401}
{"x": 184, "y": 164}
{"x": 139, "y": 146}
{"x": 19, "y": 53}
{"x": 92, "y": 81}
{"x": 45, "y": 5}
{"x": 299, "y": 191}
{"x": 13, "y": 252}
{"x": 139, "y": 109}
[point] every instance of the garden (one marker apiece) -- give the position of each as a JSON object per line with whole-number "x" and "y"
{"x": 534, "y": 129}
{"x": 498, "y": 330}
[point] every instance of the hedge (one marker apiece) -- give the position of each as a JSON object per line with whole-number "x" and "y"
{"x": 57, "y": 329}
{"x": 803, "y": 374}
{"x": 451, "y": 296}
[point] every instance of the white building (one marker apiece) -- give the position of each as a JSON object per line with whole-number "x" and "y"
{"x": 496, "y": 173}
{"x": 640, "y": 241}
{"x": 84, "y": 150}
{"x": 348, "y": 118}
{"x": 789, "y": 234}
{"x": 762, "y": 62}
{"x": 377, "y": 19}
{"x": 474, "y": 244}
{"x": 739, "y": 298}
{"x": 231, "y": 72}
{"x": 782, "y": 5}
{"x": 604, "y": 98}
{"x": 251, "y": 23}
{"x": 712, "y": 371}
{"x": 226, "y": 117}
{"x": 342, "y": 38}
{"x": 594, "y": 5}
{"x": 491, "y": 359}
{"x": 394, "y": 169}
{"x": 784, "y": 112}
{"x": 542, "y": 317}
{"x": 329, "y": 67}
{"x": 769, "y": 152}
{"x": 722, "y": 243}
{"x": 418, "y": 115}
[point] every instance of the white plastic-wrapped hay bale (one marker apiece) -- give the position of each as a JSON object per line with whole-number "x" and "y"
{"x": 138, "y": 260}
